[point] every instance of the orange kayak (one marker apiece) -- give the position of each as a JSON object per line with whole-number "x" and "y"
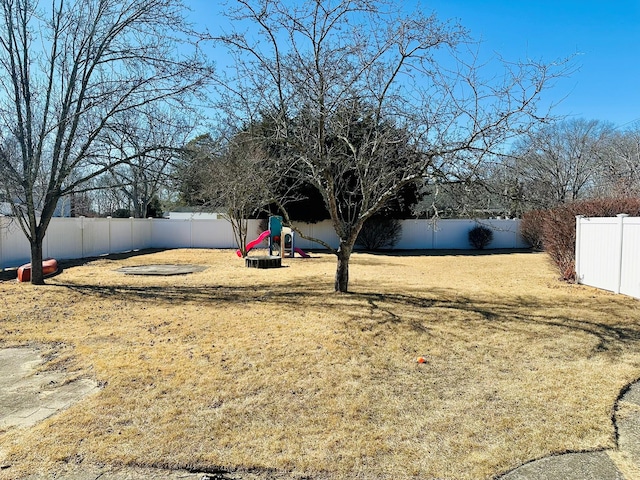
{"x": 49, "y": 267}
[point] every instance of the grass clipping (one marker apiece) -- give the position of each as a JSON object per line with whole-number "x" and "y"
{"x": 269, "y": 371}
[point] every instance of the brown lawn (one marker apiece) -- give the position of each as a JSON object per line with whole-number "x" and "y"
{"x": 270, "y": 371}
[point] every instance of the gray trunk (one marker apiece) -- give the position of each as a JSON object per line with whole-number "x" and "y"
{"x": 342, "y": 270}
{"x": 37, "y": 276}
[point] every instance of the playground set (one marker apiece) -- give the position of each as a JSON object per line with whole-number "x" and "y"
{"x": 281, "y": 240}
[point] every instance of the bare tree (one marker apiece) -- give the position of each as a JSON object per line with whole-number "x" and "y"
{"x": 622, "y": 165}
{"x": 140, "y": 180}
{"x": 234, "y": 176}
{"x": 318, "y": 68}
{"x": 105, "y": 199}
{"x": 561, "y": 162}
{"x": 70, "y": 71}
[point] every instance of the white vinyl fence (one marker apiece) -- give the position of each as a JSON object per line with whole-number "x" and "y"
{"x": 608, "y": 253}
{"x": 69, "y": 238}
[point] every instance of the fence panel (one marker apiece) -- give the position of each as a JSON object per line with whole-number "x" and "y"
{"x": 597, "y": 252}
{"x": 211, "y": 234}
{"x": 453, "y": 234}
{"x": 141, "y": 233}
{"x": 630, "y": 273}
{"x": 121, "y": 238}
{"x": 85, "y": 237}
{"x": 322, "y": 230}
{"x": 506, "y": 233}
{"x": 14, "y": 247}
{"x": 416, "y": 235}
{"x": 96, "y": 236}
{"x": 171, "y": 234}
{"x": 607, "y": 254}
{"x": 63, "y": 239}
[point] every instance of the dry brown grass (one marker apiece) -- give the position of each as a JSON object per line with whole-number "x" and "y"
{"x": 269, "y": 370}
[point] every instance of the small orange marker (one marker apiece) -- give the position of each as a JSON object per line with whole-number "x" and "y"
{"x": 422, "y": 360}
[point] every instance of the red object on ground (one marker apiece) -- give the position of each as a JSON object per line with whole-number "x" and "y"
{"x": 255, "y": 242}
{"x": 49, "y": 267}
{"x": 422, "y": 360}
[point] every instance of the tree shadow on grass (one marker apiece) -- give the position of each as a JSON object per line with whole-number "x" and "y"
{"x": 10, "y": 274}
{"x": 78, "y": 262}
{"x": 613, "y": 324}
{"x": 448, "y": 252}
{"x": 611, "y": 327}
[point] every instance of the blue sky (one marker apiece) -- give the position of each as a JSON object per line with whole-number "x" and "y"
{"x": 604, "y": 37}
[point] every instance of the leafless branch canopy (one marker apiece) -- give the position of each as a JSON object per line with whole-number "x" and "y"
{"x": 72, "y": 74}
{"x": 317, "y": 69}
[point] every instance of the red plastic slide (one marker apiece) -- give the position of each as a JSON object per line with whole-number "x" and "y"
{"x": 301, "y": 252}
{"x": 255, "y": 242}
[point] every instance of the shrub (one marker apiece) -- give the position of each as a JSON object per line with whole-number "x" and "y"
{"x": 559, "y": 227}
{"x": 480, "y": 237}
{"x": 379, "y": 233}
{"x": 559, "y": 238}
{"x": 154, "y": 209}
{"x": 531, "y": 228}
{"x": 121, "y": 213}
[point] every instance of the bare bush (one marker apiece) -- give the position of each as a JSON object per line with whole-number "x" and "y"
{"x": 531, "y": 228}
{"x": 480, "y": 236}
{"x": 379, "y": 233}
{"x": 559, "y": 227}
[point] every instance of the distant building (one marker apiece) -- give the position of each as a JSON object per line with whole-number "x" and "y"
{"x": 192, "y": 213}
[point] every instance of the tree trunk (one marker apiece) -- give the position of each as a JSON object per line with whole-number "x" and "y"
{"x": 342, "y": 270}
{"x": 37, "y": 275}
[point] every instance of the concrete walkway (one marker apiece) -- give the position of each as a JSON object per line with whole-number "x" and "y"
{"x": 28, "y": 396}
{"x": 620, "y": 464}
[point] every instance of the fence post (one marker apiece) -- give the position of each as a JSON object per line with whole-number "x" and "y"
{"x": 109, "y": 233}
{"x": 131, "y": 231}
{"x": 152, "y": 234}
{"x": 578, "y": 238}
{"x": 82, "y": 235}
{"x": 3, "y": 226}
{"x": 149, "y": 231}
{"x": 621, "y": 217}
